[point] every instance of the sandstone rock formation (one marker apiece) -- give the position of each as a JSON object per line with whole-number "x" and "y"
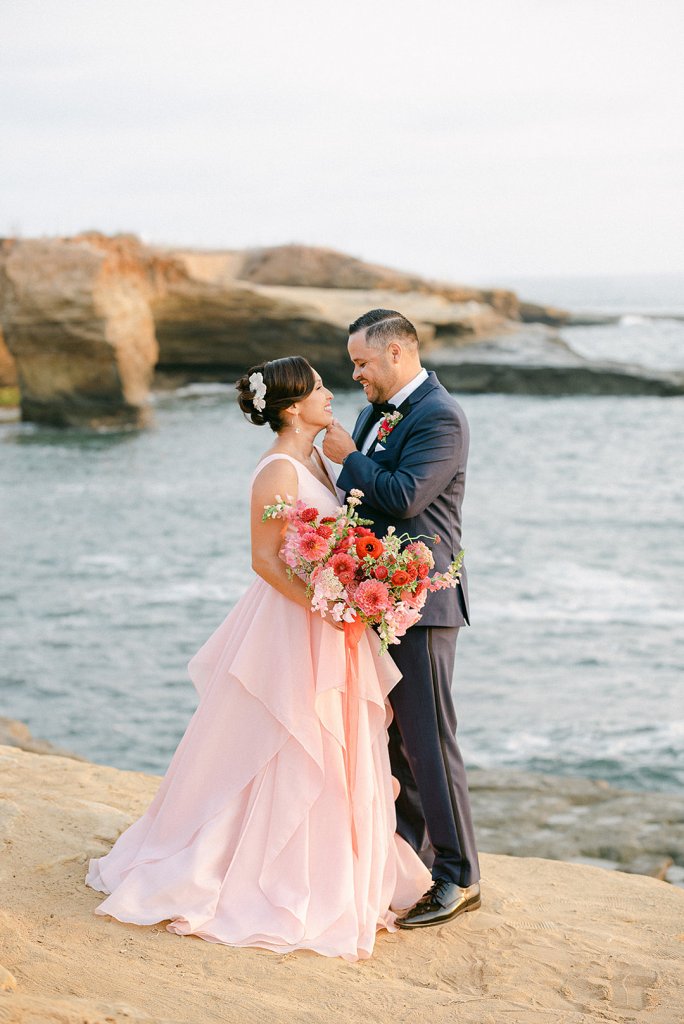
{"x": 87, "y": 319}
{"x": 17, "y": 734}
{"x": 8, "y": 366}
{"x": 222, "y": 318}
{"x": 303, "y": 266}
{"x": 215, "y": 331}
{"x": 532, "y": 313}
{"x": 552, "y": 942}
{"x": 76, "y": 318}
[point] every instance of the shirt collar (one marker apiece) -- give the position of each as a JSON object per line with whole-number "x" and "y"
{"x": 409, "y": 388}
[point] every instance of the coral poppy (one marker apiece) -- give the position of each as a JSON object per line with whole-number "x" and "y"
{"x": 369, "y": 545}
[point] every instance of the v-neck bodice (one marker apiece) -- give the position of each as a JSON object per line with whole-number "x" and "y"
{"x": 311, "y": 489}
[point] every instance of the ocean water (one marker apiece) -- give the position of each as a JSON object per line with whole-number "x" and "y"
{"x": 649, "y": 311}
{"x": 120, "y": 553}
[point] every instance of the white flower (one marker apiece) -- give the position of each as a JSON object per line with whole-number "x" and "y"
{"x": 328, "y": 586}
{"x": 256, "y": 381}
{"x": 356, "y": 493}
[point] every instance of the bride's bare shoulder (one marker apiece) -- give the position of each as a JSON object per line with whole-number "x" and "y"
{"x": 275, "y": 472}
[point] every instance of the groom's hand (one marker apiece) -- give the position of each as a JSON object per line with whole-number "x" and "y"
{"x": 337, "y": 443}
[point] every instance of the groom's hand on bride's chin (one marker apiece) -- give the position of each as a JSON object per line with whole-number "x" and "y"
{"x": 337, "y": 443}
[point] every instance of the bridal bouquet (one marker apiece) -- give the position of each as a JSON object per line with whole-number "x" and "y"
{"x": 354, "y": 575}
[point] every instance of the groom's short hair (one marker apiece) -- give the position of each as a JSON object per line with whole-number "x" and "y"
{"x": 383, "y": 326}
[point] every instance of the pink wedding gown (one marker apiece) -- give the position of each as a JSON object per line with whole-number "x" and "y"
{"x": 248, "y": 841}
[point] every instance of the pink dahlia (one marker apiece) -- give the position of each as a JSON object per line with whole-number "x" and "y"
{"x": 372, "y": 597}
{"x": 312, "y": 547}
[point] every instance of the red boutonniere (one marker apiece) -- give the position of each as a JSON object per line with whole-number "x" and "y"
{"x": 388, "y": 425}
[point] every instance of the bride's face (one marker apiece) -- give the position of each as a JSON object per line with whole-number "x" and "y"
{"x": 315, "y": 410}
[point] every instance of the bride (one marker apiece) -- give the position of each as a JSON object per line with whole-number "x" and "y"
{"x": 249, "y": 839}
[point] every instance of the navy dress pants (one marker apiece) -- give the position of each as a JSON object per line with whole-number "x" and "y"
{"x": 433, "y": 807}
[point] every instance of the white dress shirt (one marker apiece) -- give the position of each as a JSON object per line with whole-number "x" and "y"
{"x": 397, "y": 399}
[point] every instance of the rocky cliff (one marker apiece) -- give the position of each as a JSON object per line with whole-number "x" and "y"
{"x": 77, "y": 320}
{"x": 88, "y": 320}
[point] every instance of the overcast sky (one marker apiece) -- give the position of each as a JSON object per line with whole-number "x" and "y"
{"x": 470, "y": 141}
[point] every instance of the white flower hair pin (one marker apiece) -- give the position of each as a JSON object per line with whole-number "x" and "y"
{"x": 256, "y": 381}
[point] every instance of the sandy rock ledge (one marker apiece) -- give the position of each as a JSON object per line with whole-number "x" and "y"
{"x": 554, "y": 943}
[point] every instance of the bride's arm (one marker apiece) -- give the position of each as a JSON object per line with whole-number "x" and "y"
{"x": 278, "y": 477}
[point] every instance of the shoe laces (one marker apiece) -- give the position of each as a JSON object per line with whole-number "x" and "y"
{"x": 436, "y": 891}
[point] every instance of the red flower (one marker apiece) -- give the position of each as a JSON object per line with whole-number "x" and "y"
{"x": 324, "y": 531}
{"x": 423, "y": 570}
{"x": 307, "y": 515}
{"x": 381, "y": 572}
{"x": 328, "y": 519}
{"x": 400, "y": 578}
{"x": 344, "y": 544}
{"x": 369, "y": 545}
{"x": 363, "y": 531}
{"x": 412, "y": 570}
{"x": 343, "y": 566}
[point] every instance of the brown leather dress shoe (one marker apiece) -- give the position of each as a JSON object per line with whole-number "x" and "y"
{"x": 443, "y": 901}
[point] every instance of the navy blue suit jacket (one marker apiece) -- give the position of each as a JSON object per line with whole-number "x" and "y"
{"x": 417, "y": 484}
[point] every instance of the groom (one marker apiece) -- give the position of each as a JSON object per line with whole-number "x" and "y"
{"x": 413, "y": 478}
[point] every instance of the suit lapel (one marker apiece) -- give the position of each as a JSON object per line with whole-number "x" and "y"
{"x": 364, "y": 417}
{"x": 362, "y": 423}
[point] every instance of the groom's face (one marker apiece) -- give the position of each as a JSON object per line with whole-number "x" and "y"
{"x": 373, "y": 368}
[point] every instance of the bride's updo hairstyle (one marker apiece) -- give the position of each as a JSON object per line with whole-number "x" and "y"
{"x": 287, "y": 380}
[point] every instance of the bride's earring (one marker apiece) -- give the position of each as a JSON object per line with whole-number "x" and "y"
{"x": 296, "y": 429}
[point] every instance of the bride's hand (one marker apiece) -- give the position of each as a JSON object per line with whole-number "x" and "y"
{"x": 333, "y": 622}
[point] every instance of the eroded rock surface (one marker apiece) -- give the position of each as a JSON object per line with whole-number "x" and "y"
{"x": 552, "y": 942}
{"x": 77, "y": 320}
